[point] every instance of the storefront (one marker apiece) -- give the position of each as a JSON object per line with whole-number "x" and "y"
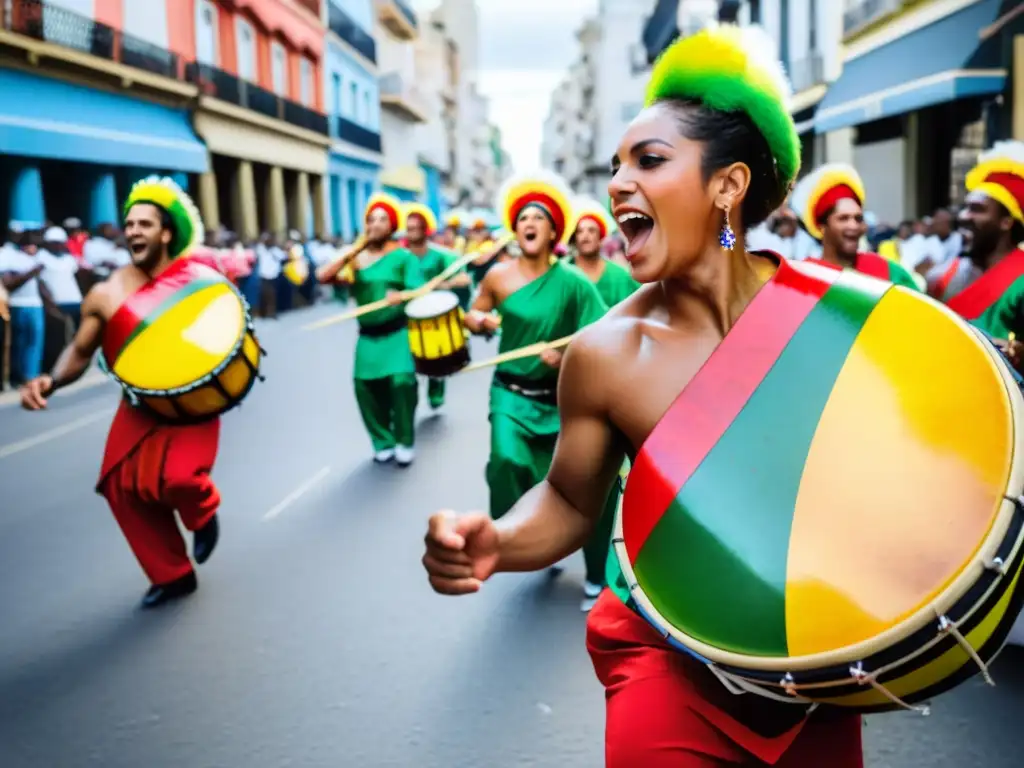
{"x": 73, "y": 149}
{"x": 914, "y": 104}
{"x": 265, "y": 175}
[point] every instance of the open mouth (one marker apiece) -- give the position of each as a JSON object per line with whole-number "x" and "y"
{"x": 138, "y": 248}
{"x": 529, "y": 236}
{"x": 636, "y": 228}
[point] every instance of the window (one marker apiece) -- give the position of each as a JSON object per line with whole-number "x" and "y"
{"x": 367, "y": 109}
{"x": 812, "y": 28}
{"x": 306, "y": 82}
{"x": 336, "y": 93}
{"x": 206, "y": 33}
{"x": 246, "y": 38}
{"x": 353, "y": 102}
{"x": 279, "y": 68}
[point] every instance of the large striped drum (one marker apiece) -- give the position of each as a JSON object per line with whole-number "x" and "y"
{"x": 183, "y": 346}
{"x": 829, "y": 512}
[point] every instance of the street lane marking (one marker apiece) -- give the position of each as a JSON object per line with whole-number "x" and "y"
{"x": 297, "y": 494}
{"x": 10, "y": 449}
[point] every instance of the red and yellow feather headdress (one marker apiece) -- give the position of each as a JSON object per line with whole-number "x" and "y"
{"x": 541, "y": 188}
{"x": 419, "y": 209}
{"x": 818, "y": 192}
{"x": 1000, "y": 175}
{"x": 390, "y": 205}
{"x": 588, "y": 208}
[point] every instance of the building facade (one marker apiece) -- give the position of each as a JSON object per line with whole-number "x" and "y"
{"x": 352, "y": 101}
{"x": 404, "y": 106}
{"x": 909, "y": 91}
{"x": 603, "y": 91}
{"x": 258, "y": 65}
{"x": 94, "y": 98}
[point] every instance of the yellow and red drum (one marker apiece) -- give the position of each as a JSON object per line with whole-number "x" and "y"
{"x": 437, "y": 338}
{"x": 183, "y": 345}
{"x": 830, "y": 511}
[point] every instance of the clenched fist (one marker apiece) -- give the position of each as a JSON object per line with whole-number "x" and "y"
{"x": 462, "y": 552}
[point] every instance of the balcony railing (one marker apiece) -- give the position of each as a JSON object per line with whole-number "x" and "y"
{"x": 356, "y": 134}
{"x": 225, "y": 86}
{"x": 59, "y": 26}
{"x": 345, "y": 27}
{"x": 403, "y": 97}
{"x": 807, "y": 72}
{"x": 399, "y": 18}
{"x": 867, "y": 12}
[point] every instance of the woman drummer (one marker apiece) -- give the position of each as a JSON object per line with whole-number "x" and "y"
{"x": 830, "y": 206}
{"x": 385, "y": 379}
{"x": 712, "y": 155}
{"x": 540, "y": 299}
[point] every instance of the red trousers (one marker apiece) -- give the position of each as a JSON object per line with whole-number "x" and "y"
{"x": 149, "y": 471}
{"x": 665, "y": 710}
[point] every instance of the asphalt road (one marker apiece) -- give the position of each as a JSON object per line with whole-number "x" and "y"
{"x": 314, "y": 639}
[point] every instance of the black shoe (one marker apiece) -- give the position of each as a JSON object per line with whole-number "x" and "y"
{"x": 205, "y": 540}
{"x": 159, "y": 594}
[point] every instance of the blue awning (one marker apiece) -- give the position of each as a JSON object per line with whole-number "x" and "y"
{"x": 47, "y": 118}
{"x": 939, "y": 63}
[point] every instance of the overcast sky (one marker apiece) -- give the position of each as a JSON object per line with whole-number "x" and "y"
{"x": 526, "y": 46}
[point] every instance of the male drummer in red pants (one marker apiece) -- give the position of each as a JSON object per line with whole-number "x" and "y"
{"x": 149, "y": 469}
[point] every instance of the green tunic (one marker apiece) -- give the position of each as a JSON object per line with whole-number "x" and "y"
{"x": 615, "y": 283}
{"x": 385, "y": 379}
{"x": 523, "y": 429}
{"x": 378, "y": 357}
{"x": 1005, "y": 316}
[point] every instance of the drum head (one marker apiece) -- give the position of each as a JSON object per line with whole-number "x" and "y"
{"x": 856, "y": 492}
{"x": 183, "y": 340}
{"x": 432, "y": 305}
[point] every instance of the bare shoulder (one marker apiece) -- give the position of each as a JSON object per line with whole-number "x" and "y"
{"x": 601, "y": 360}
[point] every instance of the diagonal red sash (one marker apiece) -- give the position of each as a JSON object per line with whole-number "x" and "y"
{"x": 870, "y": 264}
{"x": 734, "y": 370}
{"x": 973, "y": 300}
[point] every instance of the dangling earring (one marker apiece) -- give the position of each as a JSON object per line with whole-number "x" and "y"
{"x": 727, "y": 238}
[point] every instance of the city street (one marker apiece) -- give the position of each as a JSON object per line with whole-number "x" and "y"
{"x": 314, "y": 639}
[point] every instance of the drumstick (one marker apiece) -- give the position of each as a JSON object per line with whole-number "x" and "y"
{"x": 344, "y": 261}
{"x": 519, "y": 354}
{"x": 423, "y": 290}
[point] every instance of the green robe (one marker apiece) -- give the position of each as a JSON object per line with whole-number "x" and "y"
{"x": 615, "y": 283}
{"x": 435, "y": 261}
{"x": 385, "y": 378}
{"x": 524, "y": 430}
{"x": 1006, "y": 315}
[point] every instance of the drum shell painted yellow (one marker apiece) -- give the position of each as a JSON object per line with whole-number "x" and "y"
{"x": 438, "y": 344}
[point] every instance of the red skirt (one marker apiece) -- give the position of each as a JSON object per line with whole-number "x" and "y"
{"x": 666, "y": 710}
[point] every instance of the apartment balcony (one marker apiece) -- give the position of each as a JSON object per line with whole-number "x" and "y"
{"x": 864, "y": 13}
{"x": 216, "y": 83}
{"x": 398, "y": 18}
{"x": 353, "y": 133}
{"x": 57, "y": 26}
{"x": 345, "y": 27}
{"x": 402, "y": 97}
{"x": 807, "y": 72}
{"x": 313, "y": 6}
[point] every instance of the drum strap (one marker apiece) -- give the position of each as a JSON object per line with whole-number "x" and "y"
{"x": 532, "y": 389}
{"x": 384, "y": 329}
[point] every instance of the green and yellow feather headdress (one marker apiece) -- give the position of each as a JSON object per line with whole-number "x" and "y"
{"x": 732, "y": 69}
{"x": 165, "y": 194}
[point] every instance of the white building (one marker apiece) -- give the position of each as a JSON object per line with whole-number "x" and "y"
{"x": 404, "y": 107}
{"x": 599, "y": 96}
{"x": 473, "y": 174}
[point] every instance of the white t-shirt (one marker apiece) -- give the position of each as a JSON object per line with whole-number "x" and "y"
{"x": 269, "y": 262}
{"x": 15, "y": 260}
{"x": 59, "y": 276}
